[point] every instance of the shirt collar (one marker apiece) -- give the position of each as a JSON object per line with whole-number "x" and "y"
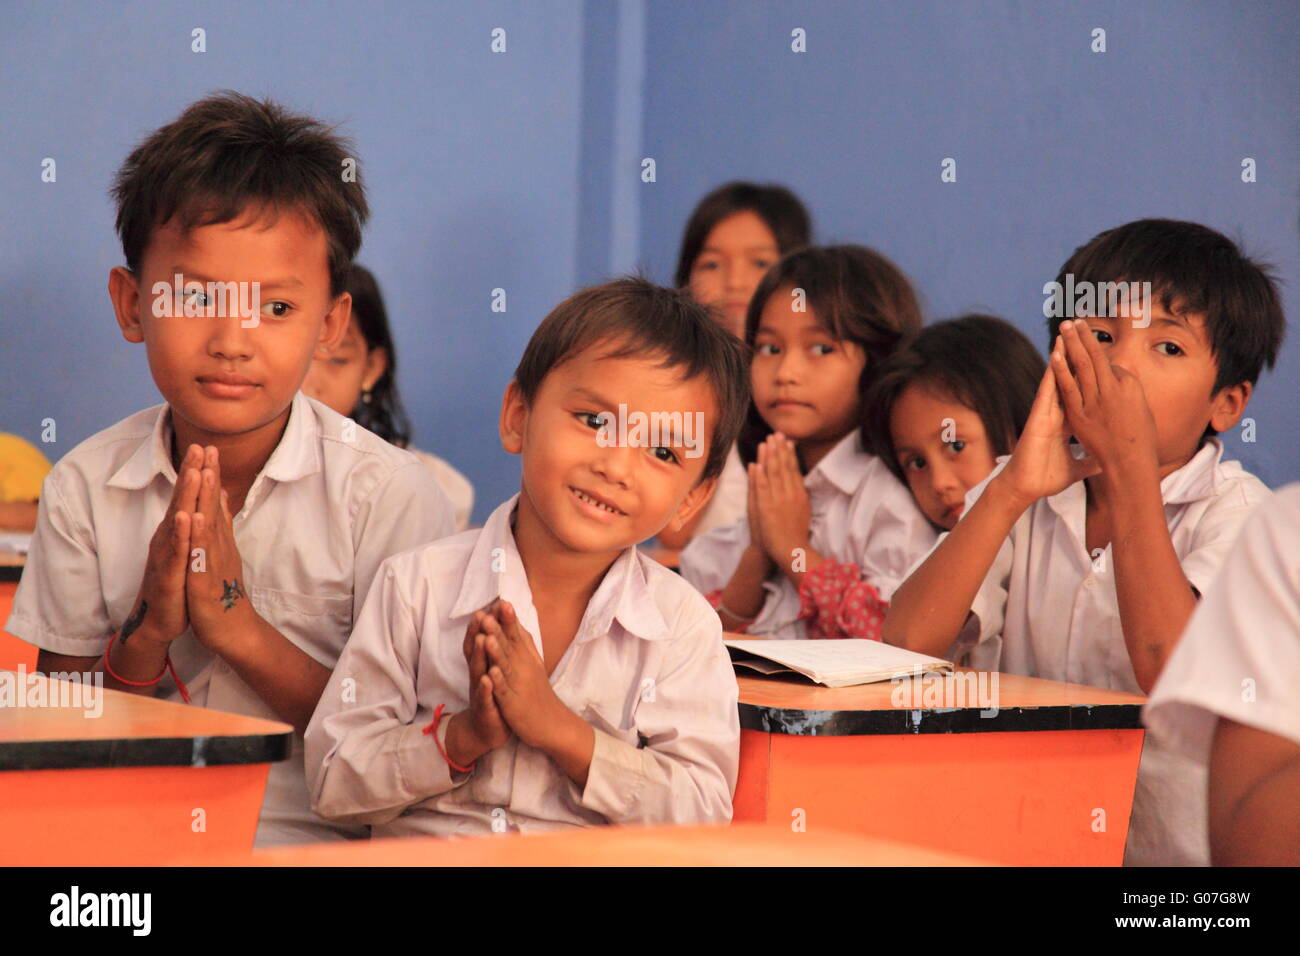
{"x": 842, "y": 465}
{"x": 1194, "y": 481}
{"x": 296, "y": 456}
{"x": 495, "y": 569}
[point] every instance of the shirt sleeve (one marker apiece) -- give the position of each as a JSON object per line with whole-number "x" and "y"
{"x": 404, "y": 511}
{"x": 838, "y": 602}
{"x": 689, "y": 727}
{"x": 1217, "y": 531}
{"x": 709, "y": 561}
{"x": 366, "y": 753}
{"x": 60, "y": 603}
{"x": 1240, "y": 654}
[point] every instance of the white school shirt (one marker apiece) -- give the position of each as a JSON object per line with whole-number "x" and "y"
{"x": 861, "y": 514}
{"x": 730, "y": 499}
{"x": 453, "y": 484}
{"x": 317, "y": 521}
{"x": 1044, "y": 610}
{"x": 647, "y": 669}
{"x": 1246, "y": 629}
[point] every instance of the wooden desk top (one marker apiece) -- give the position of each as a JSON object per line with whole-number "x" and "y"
{"x": 745, "y": 844}
{"x": 130, "y": 731}
{"x": 969, "y": 702}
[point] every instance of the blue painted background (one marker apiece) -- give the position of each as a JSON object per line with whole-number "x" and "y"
{"x": 522, "y": 170}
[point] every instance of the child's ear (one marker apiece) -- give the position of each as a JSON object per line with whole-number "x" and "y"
{"x": 514, "y": 418}
{"x": 335, "y": 327}
{"x": 695, "y": 499}
{"x": 376, "y": 365}
{"x": 124, "y": 290}
{"x": 1229, "y": 404}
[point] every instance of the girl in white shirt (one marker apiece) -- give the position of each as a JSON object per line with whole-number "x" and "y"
{"x": 830, "y": 532}
{"x": 948, "y": 404}
{"x": 736, "y": 233}
{"x": 359, "y": 379}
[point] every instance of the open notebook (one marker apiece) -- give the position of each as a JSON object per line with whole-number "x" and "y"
{"x": 837, "y": 663}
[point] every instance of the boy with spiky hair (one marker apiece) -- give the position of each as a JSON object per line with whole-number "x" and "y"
{"x": 214, "y": 548}
{"x": 1086, "y": 567}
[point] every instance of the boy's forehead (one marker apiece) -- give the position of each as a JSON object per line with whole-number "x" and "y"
{"x": 287, "y": 235}
{"x": 638, "y": 381}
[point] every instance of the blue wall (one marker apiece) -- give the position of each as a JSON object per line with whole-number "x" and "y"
{"x": 472, "y": 162}
{"x": 1053, "y": 142}
{"x": 522, "y": 170}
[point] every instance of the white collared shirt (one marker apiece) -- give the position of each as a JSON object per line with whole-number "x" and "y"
{"x": 320, "y": 517}
{"x": 1047, "y": 608}
{"x": 730, "y": 498}
{"x": 647, "y": 669}
{"x": 861, "y": 514}
{"x": 1240, "y": 656}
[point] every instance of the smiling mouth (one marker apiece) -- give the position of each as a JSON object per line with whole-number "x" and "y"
{"x": 595, "y": 502}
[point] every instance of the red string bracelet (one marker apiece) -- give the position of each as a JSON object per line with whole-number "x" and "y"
{"x": 433, "y": 730}
{"x": 167, "y": 667}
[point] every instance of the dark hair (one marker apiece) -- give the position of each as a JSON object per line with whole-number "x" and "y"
{"x": 981, "y": 361}
{"x": 1196, "y": 270}
{"x": 777, "y": 206}
{"x": 856, "y": 294}
{"x": 638, "y": 318}
{"x": 383, "y": 414}
{"x": 228, "y": 151}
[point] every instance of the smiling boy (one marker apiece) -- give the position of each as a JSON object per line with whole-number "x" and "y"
{"x": 1087, "y": 568}
{"x": 214, "y": 547}
{"x": 542, "y": 673}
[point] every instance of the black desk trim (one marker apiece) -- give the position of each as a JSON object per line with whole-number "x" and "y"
{"x": 852, "y": 723}
{"x": 217, "y": 751}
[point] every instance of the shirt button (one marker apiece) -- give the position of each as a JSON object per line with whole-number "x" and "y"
{"x": 1089, "y": 582}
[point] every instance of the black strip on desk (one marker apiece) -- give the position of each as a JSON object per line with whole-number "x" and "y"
{"x": 144, "y": 752}
{"x": 965, "y": 720}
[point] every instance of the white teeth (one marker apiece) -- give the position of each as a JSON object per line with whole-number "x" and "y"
{"x": 593, "y": 501}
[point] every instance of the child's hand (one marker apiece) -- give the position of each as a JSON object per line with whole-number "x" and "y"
{"x": 1105, "y": 407}
{"x": 783, "y": 507}
{"x": 160, "y": 612}
{"x": 520, "y": 686}
{"x": 217, "y": 599}
{"x": 1041, "y": 464}
{"x": 751, "y": 509}
{"x": 486, "y": 728}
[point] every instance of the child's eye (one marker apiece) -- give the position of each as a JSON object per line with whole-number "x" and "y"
{"x": 704, "y": 266}
{"x": 672, "y": 455}
{"x": 765, "y": 345}
{"x": 828, "y": 349}
{"x": 763, "y": 264}
{"x": 956, "y": 445}
{"x": 1173, "y": 349}
{"x": 916, "y": 463}
{"x": 278, "y": 309}
{"x": 588, "y": 417}
{"x": 197, "y": 299}
{"x": 1102, "y": 335}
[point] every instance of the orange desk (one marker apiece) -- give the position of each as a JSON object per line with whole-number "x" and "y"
{"x": 123, "y": 788}
{"x": 1046, "y": 780}
{"x": 745, "y": 845}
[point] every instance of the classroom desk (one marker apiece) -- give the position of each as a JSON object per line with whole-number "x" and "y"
{"x": 1046, "y": 780}
{"x": 125, "y": 788}
{"x": 13, "y": 651}
{"x": 740, "y": 845}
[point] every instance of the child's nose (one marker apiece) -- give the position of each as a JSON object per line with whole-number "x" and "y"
{"x": 615, "y": 463}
